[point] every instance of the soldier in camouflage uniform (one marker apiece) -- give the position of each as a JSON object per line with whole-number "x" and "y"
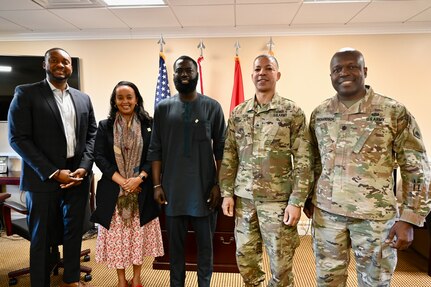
{"x": 358, "y": 138}
{"x": 264, "y": 133}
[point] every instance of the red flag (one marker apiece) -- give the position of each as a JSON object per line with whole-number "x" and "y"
{"x": 200, "y": 59}
{"x": 238, "y": 88}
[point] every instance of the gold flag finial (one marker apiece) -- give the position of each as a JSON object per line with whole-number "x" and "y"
{"x": 201, "y": 46}
{"x": 161, "y": 42}
{"x": 237, "y": 46}
{"x": 270, "y": 45}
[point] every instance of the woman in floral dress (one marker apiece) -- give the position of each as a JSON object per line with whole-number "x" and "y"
{"x": 127, "y": 214}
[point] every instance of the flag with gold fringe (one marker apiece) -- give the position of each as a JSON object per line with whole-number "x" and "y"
{"x": 238, "y": 88}
{"x": 200, "y": 59}
{"x": 162, "y": 88}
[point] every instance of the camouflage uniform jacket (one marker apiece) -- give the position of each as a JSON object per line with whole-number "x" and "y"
{"x": 356, "y": 150}
{"x": 257, "y": 160}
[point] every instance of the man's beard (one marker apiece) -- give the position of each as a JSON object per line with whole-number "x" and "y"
{"x": 186, "y": 88}
{"x": 59, "y": 79}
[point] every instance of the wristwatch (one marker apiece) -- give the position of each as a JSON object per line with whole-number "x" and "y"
{"x": 142, "y": 176}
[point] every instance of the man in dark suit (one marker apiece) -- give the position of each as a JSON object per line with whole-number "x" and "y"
{"x": 52, "y": 127}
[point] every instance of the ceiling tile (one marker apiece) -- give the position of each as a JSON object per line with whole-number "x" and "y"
{"x": 146, "y": 17}
{"x": 18, "y": 5}
{"x": 200, "y": 2}
{"x": 424, "y": 16}
{"x": 7, "y": 26}
{"x": 37, "y": 20}
{"x": 320, "y": 13}
{"x": 70, "y": 4}
{"x": 266, "y": 1}
{"x": 391, "y": 11}
{"x": 24, "y": 19}
{"x": 268, "y": 14}
{"x": 92, "y": 18}
{"x": 204, "y": 16}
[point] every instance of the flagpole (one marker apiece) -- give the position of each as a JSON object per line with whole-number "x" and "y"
{"x": 201, "y": 46}
{"x": 161, "y": 42}
{"x": 238, "y": 89}
{"x": 237, "y": 46}
{"x": 162, "y": 87}
{"x": 270, "y": 45}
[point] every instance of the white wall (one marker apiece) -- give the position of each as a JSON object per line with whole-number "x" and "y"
{"x": 398, "y": 67}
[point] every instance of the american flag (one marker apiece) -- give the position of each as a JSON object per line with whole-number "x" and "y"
{"x": 162, "y": 89}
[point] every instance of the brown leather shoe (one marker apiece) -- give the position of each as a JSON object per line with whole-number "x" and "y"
{"x": 76, "y": 284}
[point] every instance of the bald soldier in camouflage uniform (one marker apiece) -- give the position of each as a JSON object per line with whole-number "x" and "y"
{"x": 358, "y": 137}
{"x": 263, "y": 135}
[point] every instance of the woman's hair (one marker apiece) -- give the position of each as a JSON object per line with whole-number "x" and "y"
{"x": 142, "y": 114}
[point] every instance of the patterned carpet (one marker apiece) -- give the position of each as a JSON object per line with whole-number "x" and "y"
{"x": 411, "y": 269}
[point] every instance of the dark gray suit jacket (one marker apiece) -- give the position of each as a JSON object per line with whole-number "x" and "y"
{"x": 36, "y": 133}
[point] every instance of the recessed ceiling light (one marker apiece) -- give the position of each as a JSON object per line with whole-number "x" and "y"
{"x": 134, "y": 2}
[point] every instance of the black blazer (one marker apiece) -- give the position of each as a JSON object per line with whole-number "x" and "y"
{"x": 36, "y": 133}
{"x": 107, "y": 190}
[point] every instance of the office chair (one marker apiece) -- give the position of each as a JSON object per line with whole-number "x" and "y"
{"x": 19, "y": 227}
{"x": 3, "y": 197}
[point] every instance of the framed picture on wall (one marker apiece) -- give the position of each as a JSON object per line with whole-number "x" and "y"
{"x": 3, "y": 164}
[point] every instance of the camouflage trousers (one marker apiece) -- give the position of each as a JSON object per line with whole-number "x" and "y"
{"x": 258, "y": 223}
{"x": 334, "y": 235}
